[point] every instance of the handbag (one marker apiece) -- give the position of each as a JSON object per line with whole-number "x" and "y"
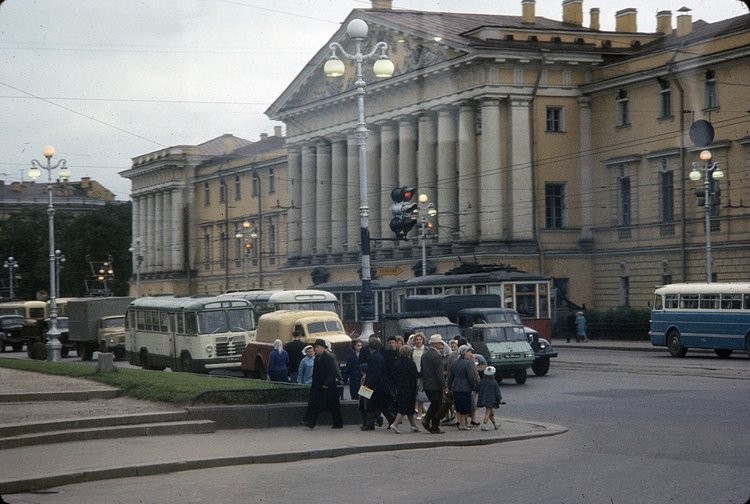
{"x": 365, "y": 391}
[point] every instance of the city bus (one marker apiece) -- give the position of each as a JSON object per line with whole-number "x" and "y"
{"x": 194, "y": 334}
{"x": 714, "y": 316}
{"x": 265, "y": 301}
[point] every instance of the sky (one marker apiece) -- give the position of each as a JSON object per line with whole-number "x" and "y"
{"x": 105, "y": 81}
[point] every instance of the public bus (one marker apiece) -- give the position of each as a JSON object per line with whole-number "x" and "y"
{"x": 713, "y": 316}
{"x": 197, "y": 334}
{"x": 265, "y": 301}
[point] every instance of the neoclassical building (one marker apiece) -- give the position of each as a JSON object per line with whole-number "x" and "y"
{"x": 553, "y": 146}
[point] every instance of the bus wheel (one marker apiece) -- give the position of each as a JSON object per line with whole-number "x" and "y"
{"x": 186, "y": 362}
{"x": 260, "y": 369}
{"x": 675, "y": 347}
{"x": 520, "y": 376}
{"x": 540, "y": 366}
{"x": 723, "y": 353}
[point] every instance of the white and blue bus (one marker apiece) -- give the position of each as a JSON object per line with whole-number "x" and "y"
{"x": 714, "y": 316}
{"x": 186, "y": 333}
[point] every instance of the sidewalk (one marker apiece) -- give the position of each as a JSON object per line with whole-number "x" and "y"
{"x": 639, "y": 346}
{"x": 49, "y": 465}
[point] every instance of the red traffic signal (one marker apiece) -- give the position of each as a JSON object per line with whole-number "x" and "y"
{"x": 402, "y": 194}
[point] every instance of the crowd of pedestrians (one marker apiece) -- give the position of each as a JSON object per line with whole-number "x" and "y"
{"x": 394, "y": 382}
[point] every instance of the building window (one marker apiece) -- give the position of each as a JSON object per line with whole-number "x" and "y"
{"x": 554, "y": 206}
{"x": 711, "y": 97}
{"x": 271, "y": 181}
{"x": 237, "y": 188}
{"x": 206, "y": 194}
{"x": 623, "y": 112}
{"x": 623, "y": 205}
{"x": 222, "y": 191}
{"x": 666, "y": 200}
{"x": 256, "y": 184}
{"x": 555, "y": 120}
{"x": 625, "y": 291}
{"x": 665, "y": 103}
{"x": 206, "y": 249}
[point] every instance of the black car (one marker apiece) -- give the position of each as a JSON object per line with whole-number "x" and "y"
{"x": 11, "y": 332}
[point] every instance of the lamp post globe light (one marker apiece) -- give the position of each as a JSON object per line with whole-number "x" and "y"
{"x": 247, "y": 234}
{"x": 11, "y": 265}
{"x": 357, "y": 30}
{"x": 710, "y": 172}
{"x": 54, "y": 347}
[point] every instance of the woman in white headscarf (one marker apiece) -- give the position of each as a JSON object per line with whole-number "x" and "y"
{"x": 278, "y": 363}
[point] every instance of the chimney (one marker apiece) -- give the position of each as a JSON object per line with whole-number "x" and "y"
{"x": 594, "y": 14}
{"x": 263, "y": 136}
{"x": 227, "y": 143}
{"x": 573, "y": 12}
{"x": 277, "y": 131}
{"x": 382, "y": 4}
{"x": 625, "y": 20}
{"x": 684, "y": 22}
{"x": 664, "y": 22}
{"x": 528, "y": 11}
{"x": 85, "y": 182}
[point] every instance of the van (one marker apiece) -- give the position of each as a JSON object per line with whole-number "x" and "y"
{"x": 505, "y": 346}
{"x": 312, "y": 324}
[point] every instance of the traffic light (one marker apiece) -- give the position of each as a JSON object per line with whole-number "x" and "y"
{"x": 402, "y": 210}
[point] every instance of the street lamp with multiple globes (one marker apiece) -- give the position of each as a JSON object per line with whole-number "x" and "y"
{"x": 248, "y": 234}
{"x": 59, "y": 260}
{"x": 138, "y": 256}
{"x": 11, "y": 265}
{"x": 426, "y": 209}
{"x": 357, "y": 30}
{"x": 54, "y": 347}
{"x": 709, "y": 172}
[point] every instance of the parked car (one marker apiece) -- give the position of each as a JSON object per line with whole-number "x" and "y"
{"x": 11, "y": 332}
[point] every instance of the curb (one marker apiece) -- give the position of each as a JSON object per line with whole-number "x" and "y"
{"x": 78, "y": 395}
{"x": 151, "y": 469}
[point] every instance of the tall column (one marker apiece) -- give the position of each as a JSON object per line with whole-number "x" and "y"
{"x": 426, "y": 173}
{"x": 167, "y": 227}
{"x": 323, "y": 198}
{"x": 447, "y": 180}
{"x": 407, "y": 151}
{"x": 143, "y": 230}
{"x": 178, "y": 226}
{"x": 159, "y": 230}
{"x": 491, "y": 190}
{"x": 586, "y": 168}
{"x": 377, "y": 214}
{"x": 294, "y": 189}
{"x": 151, "y": 233}
{"x": 388, "y": 174}
{"x": 522, "y": 190}
{"x": 135, "y": 231}
{"x": 468, "y": 181}
{"x": 352, "y": 195}
{"x": 308, "y": 200}
{"x": 339, "y": 196}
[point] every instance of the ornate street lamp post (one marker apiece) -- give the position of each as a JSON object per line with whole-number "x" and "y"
{"x": 54, "y": 347}
{"x": 426, "y": 209}
{"x": 138, "y": 256}
{"x": 11, "y": 265}
{"x": 357, "y": 30}
{"x": 59, "y": 260}
{"x": 709, "y": 172}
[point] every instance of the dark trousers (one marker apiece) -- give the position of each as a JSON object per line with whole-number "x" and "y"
{"x": 436, "y": 401}
{"x": 315, "y": 407}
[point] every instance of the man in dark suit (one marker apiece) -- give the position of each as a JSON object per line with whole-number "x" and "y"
{"x": 324, "y": 394}
{"x": 294, "y": 348}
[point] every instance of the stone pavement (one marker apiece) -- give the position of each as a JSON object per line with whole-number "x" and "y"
{"x": 36, "y": 398}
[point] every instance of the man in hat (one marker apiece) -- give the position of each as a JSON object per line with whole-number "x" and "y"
{"x": 433, "y": 379}
{"x": 324, "y": 395}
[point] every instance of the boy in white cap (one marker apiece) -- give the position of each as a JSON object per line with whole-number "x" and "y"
{"x": 489, "y": 397}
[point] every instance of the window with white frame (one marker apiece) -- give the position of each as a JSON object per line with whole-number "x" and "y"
{"x": 554, "y": 205}
{"x": 711, "y": 100}
{"x": 623, "y": 110}
{"x": 555, "y": 118}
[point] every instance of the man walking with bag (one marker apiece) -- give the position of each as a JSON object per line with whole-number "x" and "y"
{"x": 433, "y": 379}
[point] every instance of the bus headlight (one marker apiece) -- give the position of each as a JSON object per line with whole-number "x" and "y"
{"x": 209, "y": 349}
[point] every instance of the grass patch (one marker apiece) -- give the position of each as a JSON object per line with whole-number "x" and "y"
{"x": 175, "y": 388}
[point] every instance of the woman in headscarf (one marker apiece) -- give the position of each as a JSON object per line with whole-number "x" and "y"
{"x": 278, "y": 363}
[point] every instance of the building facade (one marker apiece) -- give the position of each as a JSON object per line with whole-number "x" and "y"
{"x": 558, "y": 148}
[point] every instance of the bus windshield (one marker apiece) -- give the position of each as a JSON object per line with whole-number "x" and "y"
{"x": 219, "y": 321}
{"x": 496, "y": 334}
{"x": 323, "y": 327}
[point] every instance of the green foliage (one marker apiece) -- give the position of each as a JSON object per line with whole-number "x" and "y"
{"x": 176, "y": 388}
{"x": 97, "y": 234}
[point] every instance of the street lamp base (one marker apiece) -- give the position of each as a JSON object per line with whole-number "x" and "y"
{"x": 367, "y": 330}
{"x": 54, "y": 350}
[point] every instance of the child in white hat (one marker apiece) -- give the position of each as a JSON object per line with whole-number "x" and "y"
{"x": 489, "y": 397}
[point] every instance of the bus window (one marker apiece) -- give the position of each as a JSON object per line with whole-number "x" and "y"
{"x": 670, "y": 301}
{"x": 689, "y": 301}
{"x": 212, "y": 322}
{"x": 731, "y": 302}
{"x": 657, "y": 303}
{"x": 240, "y": 320}
{"x": 709, "y": 302}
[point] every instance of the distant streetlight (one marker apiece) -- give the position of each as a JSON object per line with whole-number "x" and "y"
{"x": 138, "y": 256}
{"x": 11, "y": 265}
{"x": 54, "y": 347}
{"x": 383, "y": 67}
{"x": 249, "y": 235}
{"x": 425, "y": 210}
{"x": 709, "y": 172}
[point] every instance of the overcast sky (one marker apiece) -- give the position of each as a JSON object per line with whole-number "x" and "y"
{"x": 108, "y": 80}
